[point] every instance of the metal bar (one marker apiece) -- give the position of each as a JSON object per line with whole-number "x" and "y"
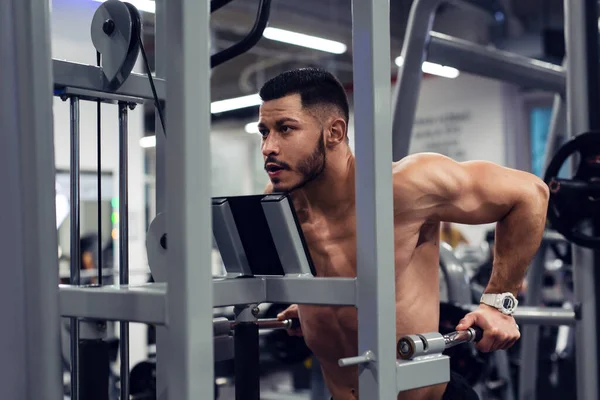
{"x": 75, "y": 237}
{"x": 332, "y": 291}
{"x": 160, "y": 65}
{"x": 545, "y": 316}
{"x": 286, "y": 235}
{"x": 228, "y": 239}
{"x": 495, "y": 64}
{"x": 581, "y": 39}
{"x": 189, "y": 222}
{"x": 91, "y": 77}
{"x": 530, "y": 334}
{"x": 421, "y": 372}
{"x": 459, "y": 291}
{"x": 93, "y": 95}
{"x": 135, "y": 303}
{"x": 557, "y": 131}
{"x": 246, "y": 354}
{"x": 30, "y": 334}
{"x": 230, "y": 292}
{"x": 124, "y": 242}
{"x": 549, "y": 316}
{"x": 408, "y": 84}
{"x": 374, "y": 222}
{"x": 553, "y": 237}
{"x": 99, "y": 177}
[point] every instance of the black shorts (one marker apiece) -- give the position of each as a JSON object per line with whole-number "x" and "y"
{"x": 458, "y": 389}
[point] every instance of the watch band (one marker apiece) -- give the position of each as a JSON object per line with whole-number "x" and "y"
{"x": 496, "y": 300}
{"x": 491, "y": 299}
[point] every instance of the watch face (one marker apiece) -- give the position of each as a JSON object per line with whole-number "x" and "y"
{"x": 508, "y": 303}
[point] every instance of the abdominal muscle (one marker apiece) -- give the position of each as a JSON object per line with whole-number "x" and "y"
{"x": 331, "y": 332}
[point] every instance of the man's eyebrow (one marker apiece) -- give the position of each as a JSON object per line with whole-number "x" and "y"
{"x": 282, "y": 121}
{"x": 279, "y": 122}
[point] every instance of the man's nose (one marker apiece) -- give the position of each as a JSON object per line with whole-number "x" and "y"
{"x": 270, "y": 146}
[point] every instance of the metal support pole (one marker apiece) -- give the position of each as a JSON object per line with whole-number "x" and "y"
{"x": 374, "y": 222}
{"x": 246, "y": 353}
{"x": 557, "y": 131}
{"x": 531, "y": 333}
{"x": 160, "y": 63}
{"x": 189, "y": 219}
{"x": 123, "y": 242}
{"x": 408, "y": 84}
{"x": 583, "y": 91}
{"x": 30, "y": 334}
{"x": 75, "y": 239}
{"x": 95, "y": 361}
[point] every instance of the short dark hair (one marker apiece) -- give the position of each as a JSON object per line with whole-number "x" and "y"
{"x": 314, "y": 85}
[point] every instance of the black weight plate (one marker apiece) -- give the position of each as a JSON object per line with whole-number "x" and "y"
{"x": 574, "y": 203}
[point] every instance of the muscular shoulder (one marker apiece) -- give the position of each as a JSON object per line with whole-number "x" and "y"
{"x": 419, "y": 179}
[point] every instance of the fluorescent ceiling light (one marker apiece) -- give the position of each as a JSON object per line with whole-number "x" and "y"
{"x": 141, "y": 5}
{"x": 235, "y": 103}
{"x": 252, "y": 127}
{"x": 434, "y": 69}
{"x": 148, "y": 141}
{"x": 300, "y": 39}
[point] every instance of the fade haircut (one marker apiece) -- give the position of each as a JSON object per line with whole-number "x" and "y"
{"x": 315, "y": 86}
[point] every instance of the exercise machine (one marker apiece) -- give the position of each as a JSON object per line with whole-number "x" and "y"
{"x": 34, "y": 302}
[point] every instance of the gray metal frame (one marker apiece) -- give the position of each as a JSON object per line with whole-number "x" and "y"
{"x": 285, "y": 235}
{"x": 579, "y": 121}
{"x": 228, "y": 239}
{"x": 30, "y": 336}
{"x": 374, "y": 209}
{"x": 185, "y": 311}
{"x": 90, "y": 77}
{"x": 188, "y": 185}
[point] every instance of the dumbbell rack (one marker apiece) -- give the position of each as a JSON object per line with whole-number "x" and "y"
{"x": 183, "y": 305}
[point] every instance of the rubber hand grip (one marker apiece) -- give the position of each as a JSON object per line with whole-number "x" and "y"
{"x": 478, "y": 334}
{"x": 295, "y": 323}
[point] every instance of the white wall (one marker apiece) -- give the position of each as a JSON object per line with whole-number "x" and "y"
{"x": 70, "y": 26}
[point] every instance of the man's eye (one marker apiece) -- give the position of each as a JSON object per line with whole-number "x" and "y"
{"x": 263, "y": 132}
{"x": 286, "y": 129}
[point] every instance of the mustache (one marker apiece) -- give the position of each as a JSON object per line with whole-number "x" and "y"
{"x": 280, "y": 164}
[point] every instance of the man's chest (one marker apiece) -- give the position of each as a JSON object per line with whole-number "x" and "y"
{"x": 332, "y": 245}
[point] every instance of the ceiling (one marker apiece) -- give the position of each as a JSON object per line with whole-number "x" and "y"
{"x": 522, "y": 26}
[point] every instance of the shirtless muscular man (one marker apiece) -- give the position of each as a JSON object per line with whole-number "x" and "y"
{"x": 304, "y": 122}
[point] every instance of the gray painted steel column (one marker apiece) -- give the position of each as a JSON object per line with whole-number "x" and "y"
{"x": 160, "y": 63}
{"x": 28, "y": 242}
{"x": 374, "y": 221}
{"x": 579, "y": 121}
{"x": 124, "y": 241}
{"x": 530, "y": 334}
{"x": 75, "y": 243}
{"x": 557, "y": 131}
{"x": 408, "y": 84}
{"x": 189, "y": 220}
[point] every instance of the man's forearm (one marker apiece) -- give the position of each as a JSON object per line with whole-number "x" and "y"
{"x": 518, "y": 237}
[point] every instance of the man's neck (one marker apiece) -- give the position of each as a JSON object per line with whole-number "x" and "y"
{"x": 331, "y": 192}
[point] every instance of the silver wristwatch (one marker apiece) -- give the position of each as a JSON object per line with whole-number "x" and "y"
{"x": 506, "y": 303}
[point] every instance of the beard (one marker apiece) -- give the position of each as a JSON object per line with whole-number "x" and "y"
{"x": 310, "y": 168}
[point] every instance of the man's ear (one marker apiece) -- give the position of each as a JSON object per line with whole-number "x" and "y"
{"x": 337, "y": 132}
